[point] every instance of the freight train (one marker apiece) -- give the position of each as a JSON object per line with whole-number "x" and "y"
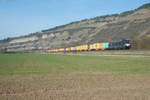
{"x": 115, "y": 45}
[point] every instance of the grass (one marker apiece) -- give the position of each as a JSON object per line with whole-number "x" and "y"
{"x": 12, "y": 64}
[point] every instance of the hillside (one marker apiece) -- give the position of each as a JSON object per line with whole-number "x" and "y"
{"x": 134, "y": 25}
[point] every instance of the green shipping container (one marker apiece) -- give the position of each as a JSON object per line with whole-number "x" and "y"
{"x": 106, "y": 45}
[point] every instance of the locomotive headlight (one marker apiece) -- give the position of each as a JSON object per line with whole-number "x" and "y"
{"x": 127, "y": 45}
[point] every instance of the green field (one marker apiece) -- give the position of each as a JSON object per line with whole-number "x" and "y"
{"x": 55, "y": 63}
{"x": 80, "y": 76}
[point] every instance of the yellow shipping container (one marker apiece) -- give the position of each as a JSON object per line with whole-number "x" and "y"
{"x": 98, "y": 46}
{"x": 85, "y": 47}
{"x": 67, "y": 49}
{"x": 78, "y": 48}
{"x": 81, "y": 47}
{"x": 102, "y": 46}
{"x": 61, "y": 49}
{"x": 95, "y": 46}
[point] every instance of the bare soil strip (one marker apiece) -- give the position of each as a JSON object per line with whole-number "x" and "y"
{"x": 75, "y": 86}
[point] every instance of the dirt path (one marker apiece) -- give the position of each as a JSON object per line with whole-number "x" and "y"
{"x": 75, "y": 86}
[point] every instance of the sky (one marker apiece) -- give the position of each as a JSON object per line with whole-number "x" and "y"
{"x": 22, "y": 17}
